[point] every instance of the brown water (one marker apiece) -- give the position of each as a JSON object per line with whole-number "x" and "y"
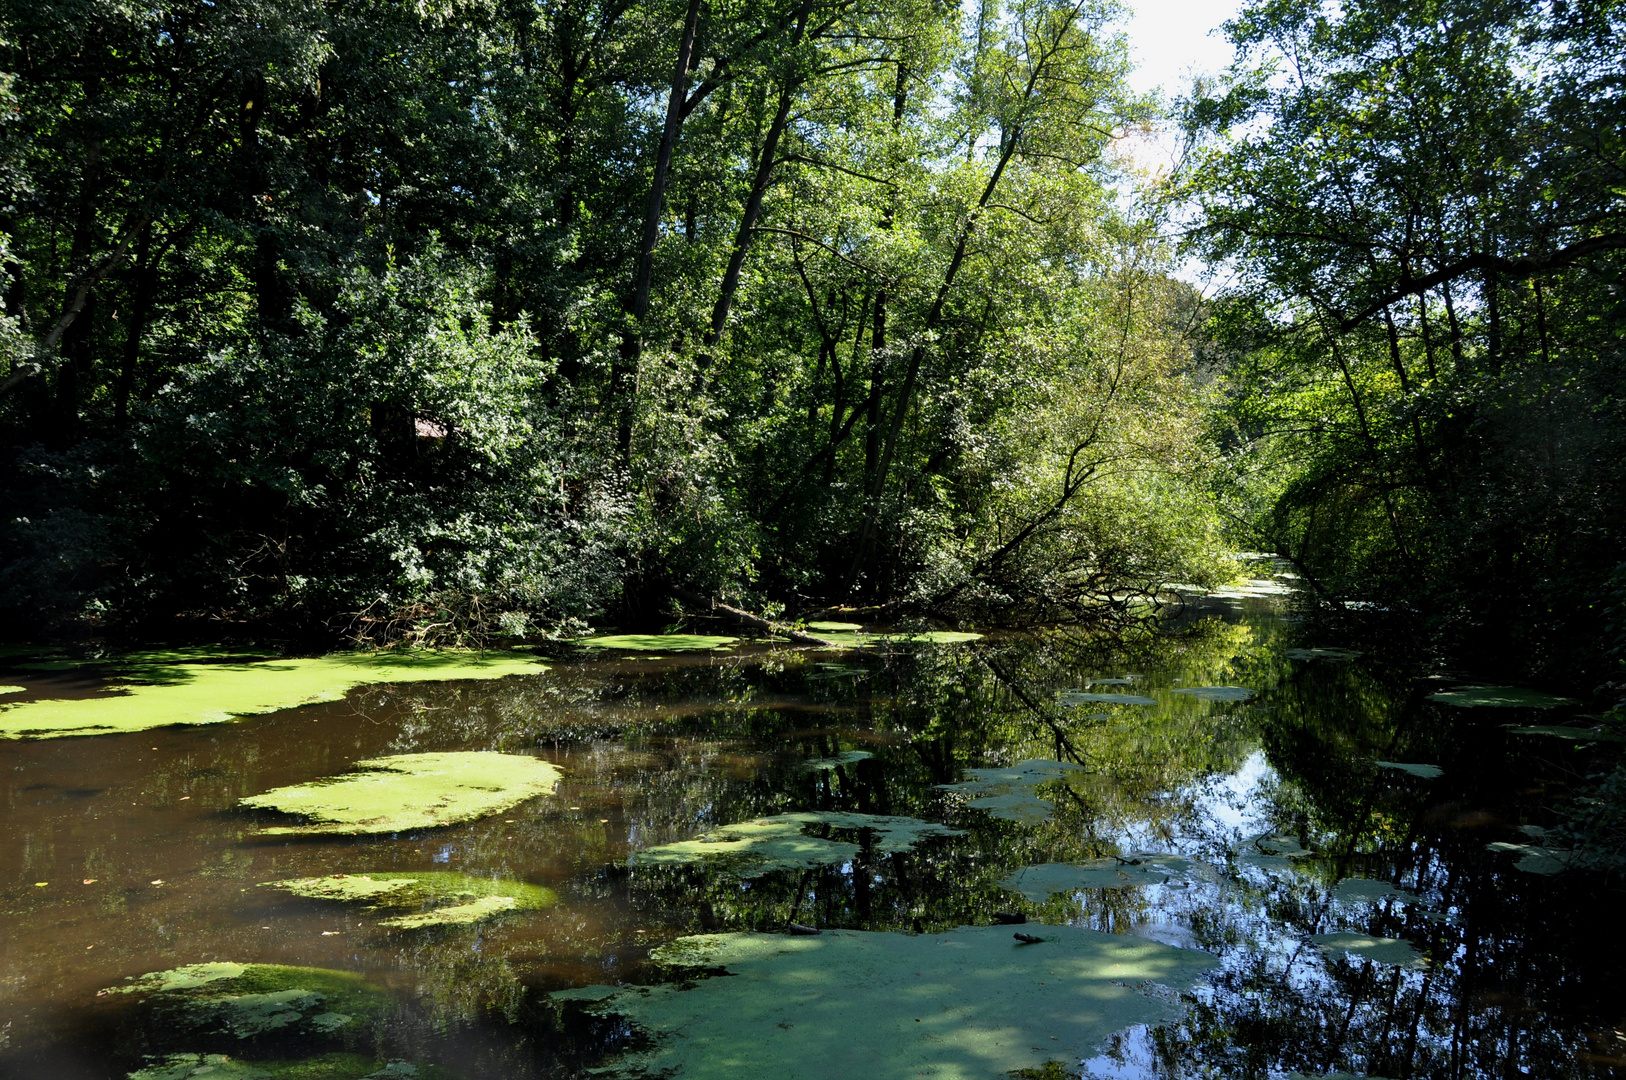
{"x": 125, "y": 854}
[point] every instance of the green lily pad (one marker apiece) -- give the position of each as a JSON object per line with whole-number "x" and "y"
{"x": 1039, "y": 883}
{"x": 754, "y": 848}
{"x": 660, "y": 642}
{"x": 846, "y": 757}
{"x": 1500, "y": 697}
{"x": 1072, "y": 698}
{"x": 410, "y": 791}
{"x": 1422, "y": 772}
{"x": 451, "y": 899}
{"x": 1577, "y": 734}
{"x": 158, "y": 693}
{"x": 972, "y": 1003}
{"x": 1216, "y": 693}
{"x": 826, "y": 624}
{"x": 1380, "y": 950}
{"x": 249, "y": 1000}
{"x": 7, "y": 688}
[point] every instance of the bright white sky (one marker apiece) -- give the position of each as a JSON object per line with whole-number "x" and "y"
{"x": 1173, "y": 38}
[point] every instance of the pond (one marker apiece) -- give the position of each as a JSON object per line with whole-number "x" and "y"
{"x": 1236, "y": 851}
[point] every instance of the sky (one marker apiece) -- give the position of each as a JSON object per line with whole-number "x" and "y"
{"x": 1170, "y": 38}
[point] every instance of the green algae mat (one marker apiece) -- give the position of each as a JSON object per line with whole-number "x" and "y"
{"x": 320, "y": 1067}
{"x": 409, "y": 791}
{"x": 965, "y": 1005}
{"x": 446, "y": 898}
{"x": 663, "y": 643}
{"x": 162, "y": 689}
{"x": 753, "y": 848}
{"x": 1008, "y": 792}
{"x": 1039, "y": 883}
{"x": 1499, "y": 697}
{"x": 245, "y": 1001}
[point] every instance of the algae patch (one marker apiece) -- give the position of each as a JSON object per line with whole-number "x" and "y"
{"x": 1009, "y": 792}
{"x": 246, "y": 1001}
{"x": 158, "y": 689}
{"x": 781, "y": 842}
{"x": 972, "y": 1003}
{"x": 846, "y": 757}
{"x": 659, "y": 642}
{"x": 320, "y": 1067}
{"x": 410, "y": 791}
{"x": 447, "y": 898}
{"x": 1216, "y": 693}
{"x": 1039, "y": 883}
{"x": 1380, "y": 950}
{"x": 1500, "y": 697}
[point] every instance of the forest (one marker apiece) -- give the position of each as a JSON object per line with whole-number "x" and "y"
{"x": 457, "y": 322}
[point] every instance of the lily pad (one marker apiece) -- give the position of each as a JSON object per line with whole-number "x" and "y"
{"x": 1021, "y": 806}
{"x": 659, "y": 642}
{"x": 781, "y": 842}
{"x": 1039, "y": 883}
{"x": 1577, "y": 734}
{"x": 1421, "y": 771}
{"x": 1217, "y": 693}
{"x": 1082, "y": 697}
{"x": 10, "y": 689}
{"x": 449, "y": 899}
{"x": 410, "y": 791}
{"x": 157, "y": 693}
{"x": 1499, "y": 697}
{"x": 1393, "y": 952}
{"x": 826, "y": 624}
{"x": 846, "y": 757}
{"x": 967, "y": 1004}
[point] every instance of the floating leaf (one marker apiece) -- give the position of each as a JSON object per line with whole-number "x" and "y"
{"x": 781, "y": 842}
{"x": 160, "y": 690}
{"x": 1080, "y": 697}
{"x": 846, "y": 757}
{"x": 1422, "y": 772}
{"x": 1499, "y": 697}
{"x": 410, "y": 791}
{"x": 1039, "y": 883}
{"x": 1217, "y": 693}
{"x": 1380, "y": 950}
{"x": 659, "y": 642}
{"x": 971, "y": 1003}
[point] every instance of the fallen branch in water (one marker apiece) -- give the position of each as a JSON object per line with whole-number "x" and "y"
{"x": 756, "y": 622}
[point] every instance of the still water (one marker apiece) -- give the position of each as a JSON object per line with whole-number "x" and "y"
{"x": 126, "y": 854}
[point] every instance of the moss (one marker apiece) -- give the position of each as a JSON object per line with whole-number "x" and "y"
{"x": 448, "y": 899}
{"x": 970, "y": 1003}
{"x": 247, "y": 1001}
{"x": 410, "y": 791}
{"x": 157, "y": 689}
{"x": 781, "y": 842}
{"x": 659, "y": 642}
